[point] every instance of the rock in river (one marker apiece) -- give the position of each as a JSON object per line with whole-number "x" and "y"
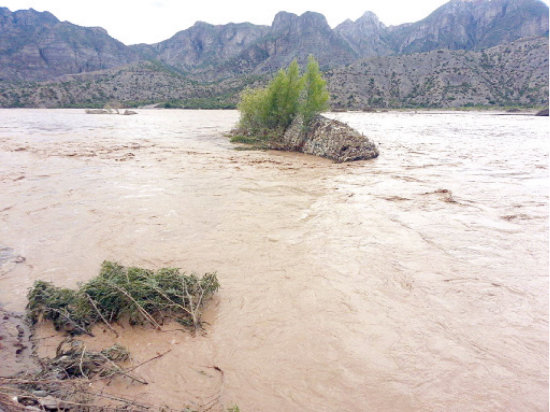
{"x": 327, "y": 138}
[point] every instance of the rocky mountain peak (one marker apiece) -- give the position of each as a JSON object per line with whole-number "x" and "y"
{"x": 37, "y": 46}
{"x": 346, "y": 23}
{"x": 366, "y": 35}
{"x": 32, "y": 17}
{"x": 369, "y": 18}
{"x": 314, "y": 19}
{"x": 285, "y": 21}
{"x": 201, "y": 24}
{"x": 205, "y": 44}
{"x": 28, "y": 17}
{"x": 473, "y": 24}
{"x": 297, "y": 37}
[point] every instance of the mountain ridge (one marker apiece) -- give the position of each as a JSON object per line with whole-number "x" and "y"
{"x": 505, "y": 75}
{"x": 37, "y": 47}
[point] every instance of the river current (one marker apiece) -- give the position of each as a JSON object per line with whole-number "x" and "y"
{"x": 414, "y": 281}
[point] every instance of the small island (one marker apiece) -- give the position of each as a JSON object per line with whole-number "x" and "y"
{"x": 286, "y": 116}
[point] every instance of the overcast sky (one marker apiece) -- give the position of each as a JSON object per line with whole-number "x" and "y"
{"x": 150, "y": 21}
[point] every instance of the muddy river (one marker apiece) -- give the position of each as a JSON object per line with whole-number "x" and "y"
{"x": 415, "y": 281}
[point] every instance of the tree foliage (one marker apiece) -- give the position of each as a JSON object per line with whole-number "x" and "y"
{"x": 253, "y": 108}
{"x": 316, "y": 93}
{"x": 270, "y": 110}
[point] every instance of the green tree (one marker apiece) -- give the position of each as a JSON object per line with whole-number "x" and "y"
{"x": 283, "y": 97}
{"x": 269, "y": 111}
{"x": 316, "y": 93}
{"x": 274, "y": 100}
{"x": 290, "y": 103}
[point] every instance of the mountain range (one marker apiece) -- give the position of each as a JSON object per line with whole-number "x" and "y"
{"x": 37, "y": 47}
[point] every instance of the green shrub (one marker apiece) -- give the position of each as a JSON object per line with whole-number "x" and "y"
{"x": 253, "y": 108}
{"x": 267, "y": 112}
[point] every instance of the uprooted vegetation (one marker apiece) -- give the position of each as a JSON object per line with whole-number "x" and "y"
{"x": 72, "y": 360}
{"x": 142, "y": 296}
{"x": 64, "y": 381}
{"x": 139, "y": 296}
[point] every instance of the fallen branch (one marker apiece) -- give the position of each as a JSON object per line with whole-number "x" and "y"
{"x": 123, "y": 372}
{"x": 80, "y": 365}
{"x": 100, "y": 315}
{"x": 140, "y": 308}
{"x": 148, "y": 360}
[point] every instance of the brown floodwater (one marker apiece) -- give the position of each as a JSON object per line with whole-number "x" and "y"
{"x": 415, "y": 281}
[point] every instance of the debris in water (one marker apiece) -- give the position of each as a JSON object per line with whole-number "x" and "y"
{"x": 136, "y": 294}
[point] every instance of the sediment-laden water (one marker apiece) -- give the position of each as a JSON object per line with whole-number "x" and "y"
{"x": 415, "y": 281}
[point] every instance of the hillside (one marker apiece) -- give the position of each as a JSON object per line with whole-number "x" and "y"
{"x": 511, "y": 74}
{"x": 137, "y": 84}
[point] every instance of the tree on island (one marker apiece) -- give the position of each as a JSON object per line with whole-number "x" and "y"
{"x": 268, "y": 112}
{"x": 316, "y": 93}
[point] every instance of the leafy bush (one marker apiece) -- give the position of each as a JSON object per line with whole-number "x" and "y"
{"x": 268, "y": 111}
{"x": 253, "y": 108}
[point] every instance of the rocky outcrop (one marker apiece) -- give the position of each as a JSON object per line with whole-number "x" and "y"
{"x": 543, "y": 112}
{"x": 326, "y": 138}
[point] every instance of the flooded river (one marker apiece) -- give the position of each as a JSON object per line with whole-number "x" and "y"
{"x": 415, "y": 281}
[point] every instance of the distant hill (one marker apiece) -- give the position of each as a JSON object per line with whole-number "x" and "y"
{"x": 205, "y": 46}
{"x": 457, "y": 25}
{"x": 471, "y": 25}
{"x": 508, "y": 74}
{"x": 36, "y": 46}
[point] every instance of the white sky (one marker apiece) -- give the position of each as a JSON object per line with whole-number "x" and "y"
{"x": 150, "y": 21}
